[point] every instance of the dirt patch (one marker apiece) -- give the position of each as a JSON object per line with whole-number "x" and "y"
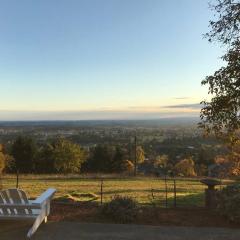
{"x": 192, "y": 217}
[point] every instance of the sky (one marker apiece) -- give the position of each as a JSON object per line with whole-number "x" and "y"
{"x": 104, "y": 59}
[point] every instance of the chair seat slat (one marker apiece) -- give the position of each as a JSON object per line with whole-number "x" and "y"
{"x": 22, "y": 217}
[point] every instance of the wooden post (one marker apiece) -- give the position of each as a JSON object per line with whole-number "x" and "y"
{"x": 135, "y": 155}
{"x": 1, "y": 185}
{"x": 152, "y": 191}
{"x": 220, "y": 179}
{"x": 166, "y": 192}
{"x": 17, "y": 179}
{"x": 101, "y": 191}
{"x": 175, "y": 192}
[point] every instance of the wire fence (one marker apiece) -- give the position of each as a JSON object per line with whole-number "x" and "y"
{"x": 162, "y": 192}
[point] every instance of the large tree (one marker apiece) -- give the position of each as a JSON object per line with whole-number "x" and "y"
{"x": 102, "y": 159}
{"x": 24, "y": 152}
{"x": 221, "y": 115}
{"x": 63, "y": 156}
{"x": 107, "y": 158}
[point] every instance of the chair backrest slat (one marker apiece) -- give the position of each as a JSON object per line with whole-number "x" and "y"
{"x": 16, "y": 196}
{"x": 10, "y": 211}
{"x": 3, "y": 210}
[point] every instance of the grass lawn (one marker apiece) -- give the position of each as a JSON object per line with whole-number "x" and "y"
{"x": 146, "y": 190}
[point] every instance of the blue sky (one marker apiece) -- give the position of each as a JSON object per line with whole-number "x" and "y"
{"x": 103, "y": 59}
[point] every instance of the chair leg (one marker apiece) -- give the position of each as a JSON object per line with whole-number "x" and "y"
{"x": 36, "y": 224}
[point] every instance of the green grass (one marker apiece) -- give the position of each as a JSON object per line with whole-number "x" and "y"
{"x": 190, "y": 192}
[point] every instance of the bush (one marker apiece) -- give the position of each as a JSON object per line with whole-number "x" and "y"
{"x": 229, "y": 202}
{"x": 121, "y": 209}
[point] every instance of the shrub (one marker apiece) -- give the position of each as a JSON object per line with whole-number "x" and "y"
{"x": 121, "y": 209}
{"x": 229, "y": 202}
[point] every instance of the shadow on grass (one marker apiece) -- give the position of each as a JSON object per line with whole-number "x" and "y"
{"x": 188, "y": 200}
{"x": 122, "y": 191}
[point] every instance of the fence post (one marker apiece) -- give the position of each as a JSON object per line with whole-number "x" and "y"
{"x": 135, "y": 155}
{"x": 152, "y": 191}
{"x": 101, "y": 191}
{"x": 1, "y": 184}
{"x": 166, "y": 192}
{"x": 17, "y": 179}
{"x": 175, "y": 192}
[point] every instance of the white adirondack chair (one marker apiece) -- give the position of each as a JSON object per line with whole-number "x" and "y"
{"x": 15, "y": 205}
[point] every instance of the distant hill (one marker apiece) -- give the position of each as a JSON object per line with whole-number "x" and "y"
{"x": 93, "y": 123}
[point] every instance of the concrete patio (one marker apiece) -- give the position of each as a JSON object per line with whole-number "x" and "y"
{"x": 94, "y": 231}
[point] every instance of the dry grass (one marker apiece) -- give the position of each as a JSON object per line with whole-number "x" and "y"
{"x": 146, "y": 190}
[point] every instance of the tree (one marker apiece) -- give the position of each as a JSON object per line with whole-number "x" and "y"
{"x": 45, "y": 160}
{"x": 102, "y": 159}
{"x": 140, "y": 154}
{"x": 120, "y": 157}
{"x": 221, "y": 114}
{"x": 107, "y": 158}
{"x": 185, "y": 168}
{"x": 127, "y": 166}
{"x": 24, "y": 152}
{"x": 161, "y": 161}
{"x": 230, "y": 162}
{"x": 65, "y": 156}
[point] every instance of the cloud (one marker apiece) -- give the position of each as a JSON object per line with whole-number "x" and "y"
{"x": 143, "y": 108}
{"x": 181, "y": 98}
{"x": 193, "y": 106}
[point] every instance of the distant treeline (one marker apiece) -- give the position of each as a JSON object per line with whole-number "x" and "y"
{"x": 61, "y": 155}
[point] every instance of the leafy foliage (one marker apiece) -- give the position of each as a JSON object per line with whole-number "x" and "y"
{"x": 221, "y": 114}
{"x": 226, "y": 28}
{"x": 121, "y": 209}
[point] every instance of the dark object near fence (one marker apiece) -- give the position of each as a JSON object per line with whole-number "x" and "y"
{"x": 229, "y": 202}
{"x": 210, "y": 192}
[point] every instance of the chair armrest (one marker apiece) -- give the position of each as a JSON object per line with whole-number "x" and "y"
{"x": 47, "y": 195}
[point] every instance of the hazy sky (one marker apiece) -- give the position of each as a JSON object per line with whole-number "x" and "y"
{"x": 97, "y": 59}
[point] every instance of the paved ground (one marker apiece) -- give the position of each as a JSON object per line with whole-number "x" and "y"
{"x": 86, "y": 231}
